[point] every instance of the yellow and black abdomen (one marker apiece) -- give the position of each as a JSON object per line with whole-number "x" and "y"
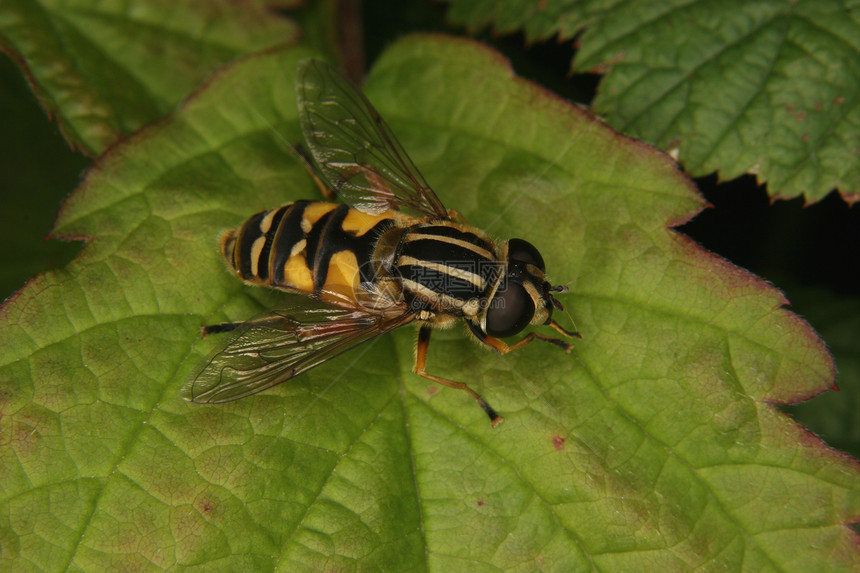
{"x": 310, "y": 247}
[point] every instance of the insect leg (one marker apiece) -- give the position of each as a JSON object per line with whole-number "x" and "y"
{"x": 455, "y": 215}
{"x": 503, "y": 348}
{"x": 302, "y": 154}
{"x": 228, "y": 326}
{"x": 420, "y": 362}
{"x": 561, "y": 330}
{"x": 220, "y": 327}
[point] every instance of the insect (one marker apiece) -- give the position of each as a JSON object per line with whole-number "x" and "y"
{"x": 392, "y": 255}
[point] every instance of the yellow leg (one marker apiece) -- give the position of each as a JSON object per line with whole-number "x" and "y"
{"x": 455, "y": 215}
{"x": 563, "y": 331}
{"x": 420, "y": 362}
{"x": 327, "y": 193}
{"x": 503, "y": 348}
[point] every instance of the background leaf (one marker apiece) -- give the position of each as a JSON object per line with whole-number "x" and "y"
{"x": 834, "y": 414}
{"x": 30, "y": 192}
{"x": 770, "y": 88}
{"x": 105, "y": 69}
{"x": 654, "y": 445}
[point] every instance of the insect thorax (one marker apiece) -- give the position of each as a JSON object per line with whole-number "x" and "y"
{"x": 446, "y": 267}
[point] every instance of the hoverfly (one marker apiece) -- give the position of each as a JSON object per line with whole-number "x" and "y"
{"x": 391, "y": 256}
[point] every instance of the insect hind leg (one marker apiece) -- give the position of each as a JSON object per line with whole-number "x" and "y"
{"x": 220, "y": 327}
{"x": 273, "y": 321}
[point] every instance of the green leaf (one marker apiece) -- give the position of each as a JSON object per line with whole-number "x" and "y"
{"x": 537, "y": 20}
{"x": 770, "y": 88}
{"x": 105, "y": 69}
{"x": 653, "y": 446}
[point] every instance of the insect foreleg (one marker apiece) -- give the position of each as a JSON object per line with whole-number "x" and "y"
{"x": 503, "y": 348}
{"x": 561, "y": 330}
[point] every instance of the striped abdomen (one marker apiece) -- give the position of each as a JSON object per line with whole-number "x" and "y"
{"x": 446, "y": 266}
{"x": 311, "y": 247}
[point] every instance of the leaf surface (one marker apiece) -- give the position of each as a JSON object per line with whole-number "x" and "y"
{"x": 105, "y": 69}
{"x": 654, "y": 445}
{"x": 770, "y": 88}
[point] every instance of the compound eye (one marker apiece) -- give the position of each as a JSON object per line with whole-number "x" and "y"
{"x": 510, "y": 311}
{"x": 525, "y": 252}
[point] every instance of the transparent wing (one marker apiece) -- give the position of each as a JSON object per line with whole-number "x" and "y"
{"x": 356, "y": 151}
{"x": 280, "y": 345}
